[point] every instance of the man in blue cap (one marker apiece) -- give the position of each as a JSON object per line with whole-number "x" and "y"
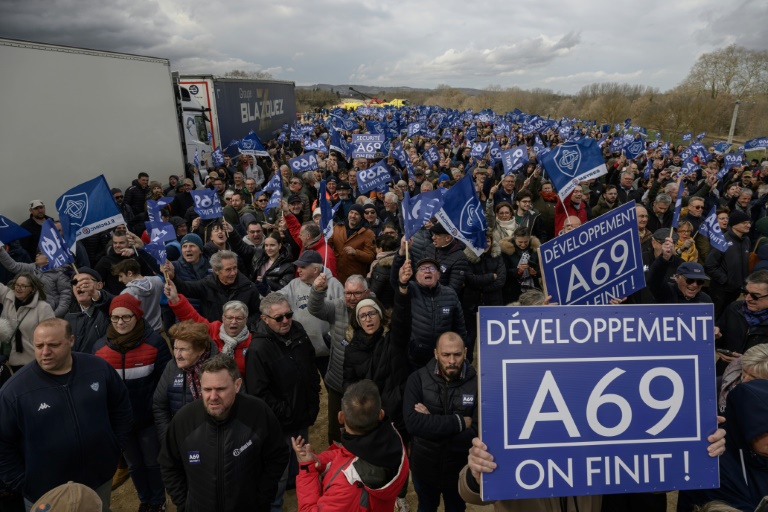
{"x": 689, "y": 279}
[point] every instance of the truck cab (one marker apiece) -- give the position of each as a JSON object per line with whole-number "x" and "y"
{"x": 196, "y": 125}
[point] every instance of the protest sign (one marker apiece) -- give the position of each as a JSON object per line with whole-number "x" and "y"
{"x": 207, "y": 204}
{"x": 597, "y": 261}
{"x": 374, "y": 178}
{"x": 366, "y": 145}
{"x": 579, "y": 400}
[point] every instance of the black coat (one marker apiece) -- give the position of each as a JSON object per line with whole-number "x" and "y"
{"x": 737, "y": 335}
{"x": 278, "y": 275}
{"x": 383, "y": 358}
{"x": 380, "y": 283}
{"x": 214, "y": 295}
{"x": 729, "y": 269}
{"x": 480, "y": 287}
{"x": 666, "y": 292}
{"x": 284, "y": 375}
{"x": 90, "y": 327}
{"x": 511, "y": 255}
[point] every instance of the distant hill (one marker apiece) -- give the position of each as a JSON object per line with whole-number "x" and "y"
{"x": 373, "y": 90}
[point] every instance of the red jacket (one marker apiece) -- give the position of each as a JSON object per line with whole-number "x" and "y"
{"x": 184, "y": 311}
{"x": 321, "y": 246}
{"x": 340, "y": 487}
{"x": 560, "y": 213}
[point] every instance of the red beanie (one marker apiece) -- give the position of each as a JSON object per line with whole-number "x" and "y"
{"x": 127, "y": 301}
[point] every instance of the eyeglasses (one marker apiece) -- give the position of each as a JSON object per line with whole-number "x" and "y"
{"x": 753, "y": 296}
{"x": 118, "y": 197}
{"x": 261, "y": 200}
{"x": 22, "y": 286}
{"x": 229, "y": 318}
{"x": 125, "y": 318}
{"x": 427, "y": 268}
{"x": 280, "y": 318}
{"x": 698, "y": 282}
{"x": 699, "y": 207}
{"x": 371, "y": 314}
{"x": 355, "y": 294}
{"x": 526, "y": 201}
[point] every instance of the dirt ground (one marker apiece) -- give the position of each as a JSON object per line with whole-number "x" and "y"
{"x": 124, "y": 499}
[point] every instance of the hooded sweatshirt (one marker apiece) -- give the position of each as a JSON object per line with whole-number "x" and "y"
{"x": 149, "y": 291}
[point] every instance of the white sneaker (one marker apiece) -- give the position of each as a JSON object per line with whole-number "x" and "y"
{"x": 401, "y": 505}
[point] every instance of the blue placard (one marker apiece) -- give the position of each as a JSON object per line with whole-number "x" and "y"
{"x": 374, "y": 178}
{"x": 207, "y": 204}
{"x": 597, "y": 261}
{"x": 305, "y": 162}
{"x": 366, "y": 145}
{"x": 581, "y": 400}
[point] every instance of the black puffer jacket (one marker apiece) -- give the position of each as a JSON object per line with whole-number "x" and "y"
{"x": 379, "y": 282}
{"x": 738, "y": 335}
{"x": 90, "y": 326}
{"x": 666, "y": 292}
{"x": 283, "y": 374}
{"x": 511, "y": 254}
{"x": 434, "y": 311}
{"x": 440, "y": 439}
{"x": 481, "y": 289}
{"x": 213, "y": 295}
{"x": 203, "y": 460}
{"x": 729, "y": 269}
{"x": 453, "y": 265}
{"x": 382, "y": 357}
{"x": 278, "y": 275}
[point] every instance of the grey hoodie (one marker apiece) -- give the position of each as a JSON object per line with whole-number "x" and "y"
{"x": 148, "y": 290}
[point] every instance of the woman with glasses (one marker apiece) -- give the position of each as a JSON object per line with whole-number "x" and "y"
{"x": 230, "y": 334}
{"x": 24, "y": 306}
{"x": 139, "y": 355}
{"x": 55, "y": 281}
{"x": 378, "y": 348}
{"x": 685, "y": 246}
{"x": 753, "y": 365}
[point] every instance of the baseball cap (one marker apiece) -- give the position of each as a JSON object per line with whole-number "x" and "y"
{"x": 36, "y": 203}
{"x": 424, "y": 261}
{"x": 308, "y": 257}
{"x": 692, "y": 270}
{"x": 662, "y": 234}
{"x": 294, "y": 199}
{"x": 69, "y": 497}
{"x": 438, "y": 229}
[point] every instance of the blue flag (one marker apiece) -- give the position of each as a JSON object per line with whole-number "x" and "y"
{"x": 399, "y": 153}
{"x": 648, "y": 169}
{"x": 373, "y": 178}
{"x": 711, "y": 229}
{"x": 218, "y": 157}
{"x": 418, "y": 210}
{"x": 616, "y": 145}
{"x": 700, "y": 136}
{"x": 479, "y": 149}
{"x": 160, "y": 232}
{"x": 730, "y": 161}
{"x": 678, "y": 203}
{"x": 155, "y": 207}
{"x": 251, "y": 145}
{"x": 326, "y": 212}
{"x": 753, "y": 144}
{"x": 471, "y": 132}
{"x": 53, "y": 246}
{"x": 687, "y": 136}
{"x": 573, "y": 162}
{"x": 634, "y": 149}
{"x": 157, "y": 251}
{"x": 721, "y": 147}
{"x": 462, "y": 215}
{"x": 514, "y": 158}
{"x": 10, "y": 231}
{"x": 274, "y": 200}
{"x": 415, "y": 128}
{"x": 339, "y": 144}
{"x": 276, "y": 183}
{"x": 431, "y": 156}
{"x": 494, "y": 151}
{"x": 207, "y": 204}
{"x": 87, "y": 209}
{"x": 689, "y": 167}
{"x": 304, "y": 162}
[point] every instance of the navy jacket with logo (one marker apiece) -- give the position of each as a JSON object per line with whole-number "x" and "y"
{"x": 51, "y": 433}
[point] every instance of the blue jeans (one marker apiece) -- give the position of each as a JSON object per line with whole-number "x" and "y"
{"x": 141, "y": 452}
{"x": 292, "y": 469}
{"x": 429, "y": 496}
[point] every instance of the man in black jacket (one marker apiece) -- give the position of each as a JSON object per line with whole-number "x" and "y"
{"x": 689, "y": 279}
{"x": 89, "y": 314}
{"x": 440, "y": 406}
{"x": 136, "y": 194}
{"x": 63, "y": 417}
{"x": 729, "y": 269}
{"x": 34, "y": 224}
{"x": 280, "y": 369}
{"x": 226, "y": 451}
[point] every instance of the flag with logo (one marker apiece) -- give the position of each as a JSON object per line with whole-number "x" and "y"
{"x": 10, "y": 231}
{"x": 276, "y": 183}
{"x": 374, "y": 178}
{"x": 155, "y": 207}
{"x": 207, "y": 204}
{"x": 711, "y": 228}
{"x": 687, "y": 136}
{"x": 53, "y": 246}
{"x": 634, "y": 149}
{"x": 160, "y": 232}
{"x": 157, "y": 251}
{"x": 573, "y": 162}
{"x": 431, "y": 156}
{"x": 274, "y": 200}
{"x": 251, "y": 145}
{"x": 678, "y": 203}
{"x": 689, "y": 167}
{"x": 218, "y": 157}
{"x": 462, "y": 215}
{"x": 196, "y": 159}
{"x": 514, "y": 158}
{"x": 730, "y": 160}
{"x": 754, "y": 144}
{"x": 326, "y": 212}
{"x": 418, "y": 210}
{"x": 87, "y": 209}
{"x": 479, "y": 149}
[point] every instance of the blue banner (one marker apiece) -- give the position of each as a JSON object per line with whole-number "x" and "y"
{"x": 678, "y": 204}
{"x": 494, "y": 152}
{"x": 218, "y": 157}
{"x": 418, "y": 210}
{"x": 462, "y": 215}
{"x": 514, "y": 158}
{"x": 303, "y": 163}
{"x": 326, "y": 212}
{"x": 689, "y": 167}
{"x": 87, "y": 209}
{"x": 431, "y": 156}
{"x": 596, "y": 262}
{"x": 275, "y": 200}
{"x": 340, "y": 144}
{"x": 634, "y": 149}
{"x": 616, "y": 145}
{"x": 415, "y": 128}
{"x": 399, "y": 153}
{"x": 730, "y": 160}
{"x": 366, "y": 145}
{"x": 10, "y": 231}
{"x": 53, "y": 246}
{"x": 275, "y": 183}
{"x": 316, "y": 145}
{"x": 157, "y": 251}
{"x": 251, "y": 145}
{"x": 479, "y": 149}
{"x": 573, "y": 162}
{"x": 160, "y": 232}
{"x": 721, "y": 147}
{"x": 753, "y": 144}
{"x": 207, "y": 204}
{"x": 711, "y": 229}
{"x": 155, "y": 207}
{"x": 687, "y": 136}
{"x": 592, "y": 400}
{"x": 470, "y": 133}
{"x": 374, "y": 178}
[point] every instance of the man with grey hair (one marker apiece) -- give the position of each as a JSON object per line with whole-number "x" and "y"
{"x": 660, "y": 215}
{"x": 309, "y": 266}
{"x": 336, "y": 311}
{"x": 391, "y": 209}
{"x": 280, "y": 369}
{"x": 216, "y": 289}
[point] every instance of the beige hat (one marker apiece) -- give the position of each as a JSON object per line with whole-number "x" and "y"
{"x": 35, "y": 203}
{"x": 69, "y": 497}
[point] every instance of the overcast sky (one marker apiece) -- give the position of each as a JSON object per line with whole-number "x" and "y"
{"x": 555, "y": 44}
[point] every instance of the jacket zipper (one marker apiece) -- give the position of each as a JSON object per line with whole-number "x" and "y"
{"x": 219, "y": 476}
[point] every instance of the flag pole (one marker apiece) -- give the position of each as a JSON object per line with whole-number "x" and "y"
{"x": 672, "y": 228}
{"x": 407, "y": 253}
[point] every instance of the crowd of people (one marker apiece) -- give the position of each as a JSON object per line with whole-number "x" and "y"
{"x": 200, "y": 377}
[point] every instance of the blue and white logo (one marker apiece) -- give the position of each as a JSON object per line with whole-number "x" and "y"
{"x": 193, "y": 90}
{"x": 567, "y": 159}
{"x": 468, "y": 399}
{"x": 636, "y": 147}
{"x": 194, "y": 457}
{"x": 76, "y": 207}
{"x": 472, "y": 218}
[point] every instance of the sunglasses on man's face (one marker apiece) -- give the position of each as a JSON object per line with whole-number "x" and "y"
{"x": 698, "y": 282}
{"x": 280, "y": 318}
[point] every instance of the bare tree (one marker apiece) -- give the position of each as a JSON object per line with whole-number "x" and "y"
{"x": 241, "y": 73}
{"x": 733, "y": 70}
